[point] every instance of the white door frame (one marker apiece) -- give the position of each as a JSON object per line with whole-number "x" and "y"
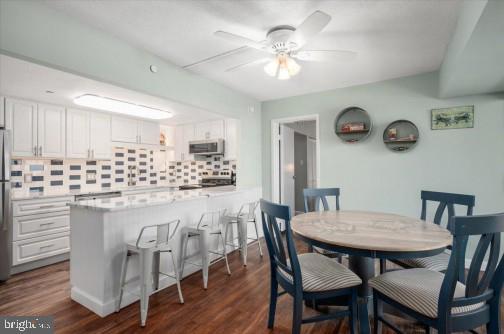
{"x": 275, "y": 156}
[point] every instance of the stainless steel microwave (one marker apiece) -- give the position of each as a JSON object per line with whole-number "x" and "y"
{"x": 206, "y": 147}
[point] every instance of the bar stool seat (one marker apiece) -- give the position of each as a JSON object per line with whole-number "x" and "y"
{"x": 149, "y": 250}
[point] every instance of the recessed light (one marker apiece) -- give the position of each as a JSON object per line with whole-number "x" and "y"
{"x": 121, "y": 107}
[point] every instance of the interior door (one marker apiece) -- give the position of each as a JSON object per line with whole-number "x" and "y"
{"x": 300, "y": 169}
{"x": 51, "y": 131}
{"x": 287, "y": 188}
{"x": 100, "y": 141}
{"x": 22, "y": 121}
{"x": 78, "y": 134}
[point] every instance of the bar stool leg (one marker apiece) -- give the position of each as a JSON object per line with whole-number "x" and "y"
{"x": 224, "y": 253}
{"x": 204, "y": 248}
{"x": 257, "y": 235}
{"x": 177, "y": 276}
{"x": 155, "y": 270}
{"x": 145, "y": 276}
{"x": 122, "y": 279}
{"x": 183, "y": 248}
{"x": 242, "y": 225}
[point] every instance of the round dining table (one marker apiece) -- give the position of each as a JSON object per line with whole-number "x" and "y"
{"x": 366, "y": 236}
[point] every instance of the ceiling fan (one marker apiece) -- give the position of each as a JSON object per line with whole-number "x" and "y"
{"x": 283, "y": 45}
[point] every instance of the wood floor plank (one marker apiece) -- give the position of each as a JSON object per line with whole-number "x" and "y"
{"x": 232, "y": 304}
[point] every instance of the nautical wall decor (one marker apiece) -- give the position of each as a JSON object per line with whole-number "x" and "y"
{"x": 452, "y": 118}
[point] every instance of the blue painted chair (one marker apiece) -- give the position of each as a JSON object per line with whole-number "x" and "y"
{"x": 312, "y": 199}
{"x": 441, "y": 301}
{"x": 446, "y": 201}
{"x": 307, "y": 277}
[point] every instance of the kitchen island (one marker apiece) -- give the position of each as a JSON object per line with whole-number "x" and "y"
{"x": 100, "y": 229}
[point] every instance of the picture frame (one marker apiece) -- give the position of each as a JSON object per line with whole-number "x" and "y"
{"x": 460, "y": 117}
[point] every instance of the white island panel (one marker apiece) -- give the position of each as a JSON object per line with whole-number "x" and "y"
{"x": 101, "y": 228}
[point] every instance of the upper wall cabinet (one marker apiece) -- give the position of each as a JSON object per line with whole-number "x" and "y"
{"x": 209, "y": 130}
{"x": 149, "y": 132}
{"x": 88, "y": 135}
{"x": 128, "y": 130}
{"x": 37, "y": 130}
{"x": 231, "y": 139}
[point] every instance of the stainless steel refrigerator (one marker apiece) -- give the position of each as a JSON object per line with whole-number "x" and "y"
{"x": 5, "y": 207}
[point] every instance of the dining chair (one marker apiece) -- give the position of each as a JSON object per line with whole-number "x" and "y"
{"x": 440, "y": 300}
{"x": 152, "y": 241}
{"x": 306, "y": 277}
{"x": 312, "y": 199}
{"x": 209, "y": 225}
{"x": 446, "y": 202}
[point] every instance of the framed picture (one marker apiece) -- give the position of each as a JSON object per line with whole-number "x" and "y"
{"x": 452, "y": 118}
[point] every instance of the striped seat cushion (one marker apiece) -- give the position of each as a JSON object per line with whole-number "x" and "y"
{"x": 320, "y": 273}
{"x": 418, "y": 289}
{"x": 437, "y": 262}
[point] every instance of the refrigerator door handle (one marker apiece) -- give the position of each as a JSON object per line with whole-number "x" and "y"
{"x": 6, "y": 205}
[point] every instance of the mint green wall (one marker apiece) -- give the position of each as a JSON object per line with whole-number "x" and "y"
{"x": 373, "y": 178}
{"x": 32, "y": 31}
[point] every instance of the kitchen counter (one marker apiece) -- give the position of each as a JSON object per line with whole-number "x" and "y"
{"x": 102, "y": 227}
{"x": 152, "y": 198}
{"x": 22, "y": 195}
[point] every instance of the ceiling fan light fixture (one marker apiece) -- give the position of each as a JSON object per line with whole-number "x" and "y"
{"x": 283, "y": 73}
{"x": 271, "y": 68}
{"x": 292, "y": 66}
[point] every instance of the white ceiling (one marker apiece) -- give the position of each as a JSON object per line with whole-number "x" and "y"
{"x": 22, "y": 79}
{"x": 393, "y": 38}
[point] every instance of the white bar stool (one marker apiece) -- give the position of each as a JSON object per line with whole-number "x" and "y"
{"x": 149, "y": 248}
{"x": 209, "y": 225}
{"x": 245, "y": 216}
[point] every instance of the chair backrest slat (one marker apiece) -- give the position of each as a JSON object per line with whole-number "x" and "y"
{"x": 446, "y": 201}
{"x": 163, "y": 234}
{"x": 478, "y": 287}
{"x": 279, "y": 258}
{"x": 317, "y": 195}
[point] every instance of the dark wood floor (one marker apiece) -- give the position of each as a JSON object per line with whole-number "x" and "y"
{"x": 232, "y": 304}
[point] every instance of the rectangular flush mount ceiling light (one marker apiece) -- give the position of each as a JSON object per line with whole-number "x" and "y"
{"x": 120, "y": 107}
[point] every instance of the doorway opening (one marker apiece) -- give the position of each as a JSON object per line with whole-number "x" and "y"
{"x": 295, "y": 159}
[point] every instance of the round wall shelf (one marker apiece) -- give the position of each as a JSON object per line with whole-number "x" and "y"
{"x": 353, "y": 124}
{"x": 400, "y": 135}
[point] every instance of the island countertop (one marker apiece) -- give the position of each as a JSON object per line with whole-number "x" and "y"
{"x": 152, "y": 198}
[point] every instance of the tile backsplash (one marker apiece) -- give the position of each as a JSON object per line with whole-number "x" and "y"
{"x": 149, "y": 167}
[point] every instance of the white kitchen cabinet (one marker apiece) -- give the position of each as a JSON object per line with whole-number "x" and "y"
{"x": 100, "y": 142}
{"x": 21, "y": 117}
{"x": 37, "y": 130}
{"x": 231, "y": 142}
{"x": 88, "y": 135}
{"x": 51, "y": 131}
{"x": 33, "y": 249}
{"x": 124, "y": 130}
{"x": 183, "y": 135}
{"x": 78, "y": 133}
{"x": 209, "y": 130}
{"x": 148, "y": 132}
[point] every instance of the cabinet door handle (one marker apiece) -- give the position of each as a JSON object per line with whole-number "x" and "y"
{"x": 40, "y": 150}
{"x": 46, "y": 246}
{"x": 46, "y": 224}
{"x": 92, "y": 154}
{"x": 88, "y": 153}
{"x": 35, "y": 150}
{"x": 46, "y": 206}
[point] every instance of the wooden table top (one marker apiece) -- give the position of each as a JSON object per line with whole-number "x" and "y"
{"x": 372, "y": 231}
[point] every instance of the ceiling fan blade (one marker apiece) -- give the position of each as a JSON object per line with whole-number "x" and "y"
{"x": 323, "y": 55}
{"x": 248, "y": 64}
{"x": 240, "y": 40}
{"x": 311, "y": 26}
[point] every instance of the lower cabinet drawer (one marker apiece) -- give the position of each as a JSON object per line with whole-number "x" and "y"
{"x": 25, "y": 227}
{"x": 39, "y": 248}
